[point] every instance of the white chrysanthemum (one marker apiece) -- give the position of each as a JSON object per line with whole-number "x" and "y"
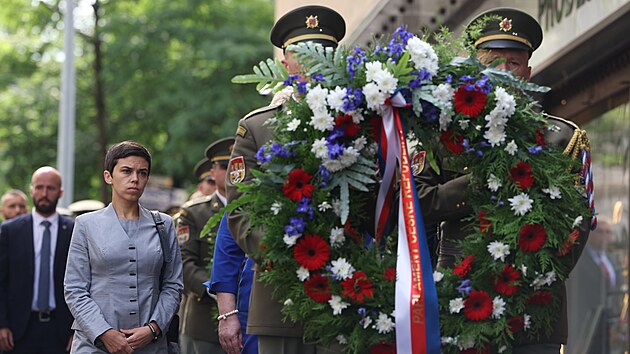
{"x": 521, "y": 204}
{"x": 293, "y": 125}
{"x": 276, "y": 207}
{"x": 465, "y": 344}
{"x": 495, "y": 136}
{"x": 498, "y": 250}
{"x": 342, "y": 268}
{"x": 289, "y": 240}
{"x": 498, "y": 307}
{"x": 288, "y": 302}
{"x": 527, "y": 321}
{"x": 449, "y": 340}
{"x": 333, "y": 165}
{"x": 524, "y": 269}
{"x": 511, "y": 148}
{"x": 553, "y": 191}
{"x": 337, "y": 304}
{"x": 302, "y": 273}
{"x": 360, "y": 143}
{"x": 367, "y": 320}
{"x": 371, "y": 69}
{"x": 337, "y": 237}
{"x": 386, "y": 81}
{"x": 323, "y": 206}
{"x": 464, "y": 124}
{"x": 446, "y": 117}
{"x": 495, "y": 120}
{"x": 444, "y": 93}
{"x": 456, "y": 305}
{"x": 437, "y": 276}
{"x": 320, "y": 149}
{"x": 335, "y": 98}
{"x": 494, "y": 183}
{"x": 505, "y": 101}
{"x": 577, "y": 222}
{"x": 316, "y": 98}
{"x": 349, "y": 157}
{"x": 341, "y": 339}
{"x": 357, "y": 117}
{"x": 422, "y": 55}
{"x": 322, "y": 120}
{"x": 384, "y": 323}
{"x": 374, "y": 97}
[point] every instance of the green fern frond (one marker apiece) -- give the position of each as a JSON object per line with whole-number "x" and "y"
{"x": 267, "y": 73}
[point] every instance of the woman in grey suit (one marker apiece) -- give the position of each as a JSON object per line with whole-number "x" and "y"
{"x": 120, "y": 287}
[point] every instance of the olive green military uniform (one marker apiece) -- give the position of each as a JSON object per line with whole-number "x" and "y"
{"x": 199, "y": 309}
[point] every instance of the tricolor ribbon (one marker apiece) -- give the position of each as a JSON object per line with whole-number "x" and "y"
{"x": 587, "y": 175}
{"x": 417, "y": 318}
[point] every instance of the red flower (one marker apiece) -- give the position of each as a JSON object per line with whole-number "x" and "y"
{"x": 522, "y": 175}
{"x": 478, "y": 305}
{"x": 469, "y": 103}
{"x": 297, "y": 185}
{"x": 390, "y": 274}
{"x": 311, "y": 252}
{"x": 383, "y": 347}
{"x": 540, "y": 298}
{"x": 566, "y": 246}
{"x": 532, "y": 237}
{"x": 345, "y": 122}
{"x": 358, "y": 287}
{"x": 504, "y": 283}
{"x": 464, "y": 267}
{"x": 316, "y": 287}
{"x": 516, "y": 323}
{"x": 540, "y": 138}
{"x": 452, "y": 142}
{"x": 484, "y": 224}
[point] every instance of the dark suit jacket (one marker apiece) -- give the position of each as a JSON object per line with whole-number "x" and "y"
{"x": 17, "y": 271}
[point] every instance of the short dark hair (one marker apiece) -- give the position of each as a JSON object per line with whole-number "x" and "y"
{"x": 125, "y": 149}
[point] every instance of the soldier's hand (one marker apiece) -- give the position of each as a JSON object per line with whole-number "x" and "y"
{"x": 6, "y": 339}
{"x": 230, "y": 335}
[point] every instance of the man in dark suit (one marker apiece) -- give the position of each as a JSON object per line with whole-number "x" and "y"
{"x": 34, "y": 317}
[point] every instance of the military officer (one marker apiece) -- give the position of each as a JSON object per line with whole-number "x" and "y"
{"x": 443, "y": 196}
{"x": 309, "y": 23}
{"x": 205, "y": 181}
{"x": 198, "y": 328}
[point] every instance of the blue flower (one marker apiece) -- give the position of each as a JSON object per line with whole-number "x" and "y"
{"x": 377, "y": 49}
{"x": 318, "y": 77}
{"x": 484, "y": 84}
{"x": 325, "y": 176}
{"x": 470, "y": 87}
{"x": 535, "y": 150}
{"x": 449, "y": 78}
{"x": 361, "y": 311}
{"x": 352, "y": 99}
{"x": 262, "y": 157}
{"x": 304, "y": 206}
{"x": 397, "y": 43}
{"x": 464, "y": 287}
{"x": 278, "y": 150}
{"x": 335, "y": 150}
{"x": 335, "y": 134}
{"x": 301, "y": 87}
{"x": 291, "y": 79}
{"x": 467, "y": 78}
{"x": 295, "y": 227}
{"x": 420, "y": 76}
{"x": 429, "y": 111}
{"x": 355, "y": 60}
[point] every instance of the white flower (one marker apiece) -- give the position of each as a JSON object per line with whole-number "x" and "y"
{"x": 341, "y": 339}
{"x": 494, "y": 183}
{"x": 553, "y": 191}
{"x": 337, "y": 305}
{"x": 437, "y": 276}
{"x": 360, "y": 143}
{"x": 524, "y": 269}
{"x": 271, "y": 121}
{"x": 322, "y": 120}
{"x": 444, "y": 93}
{"x": 371, "y": 69}
{"x": 466, "y": 344}
{"x": 422, "y": 55}
{"x": 528, "y": 321}
{"x": 464, "y": 123}
{"x": 511, "y": 148}
{"x": 495, "y": 120}
{"x": 302, "y": 273}
{"x": 449, "y": 340}
{"x": 578, "y": 221}
{"x": 498, "y": 250}
{"x": 276, "y": 207}
{"x": 384, "y": 323}
{"x": 335, "y": 98}
{"x": 316, "y": 98}
{"x": 319, "y": 148}
{"x": 366, "y": 322}
{"x": 446, "y": 117}
{"x": 333, "y": 165}
{"x": 290, "y": 240}
{"x": 323, "y": 206}
{"x": 502, "y": 349}
{"x": 342, "y": 269}
{"x": 495, "y": 136}
{"x": 505, "y": 101}
{"x": 498, "y": 307}
{"x": 349, "y": 157}
{"x": 456, "y": 305}
{"x": 521, "y": 204}
{"x": 288, "y": 302}
{"x": 386, "y": 81}
{"x": 337, "y": 207}
{"x": 544, "y": 279}
{"x": 293, "y": 125}
{"x": 337, "y": 237}
{"x": 374, "y": 97}
{"x": 357, "y": 117}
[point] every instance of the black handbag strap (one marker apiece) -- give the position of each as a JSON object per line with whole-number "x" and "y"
{"x": 159, "y": 224}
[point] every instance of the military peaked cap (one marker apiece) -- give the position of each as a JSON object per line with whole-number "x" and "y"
{"x": 202, "y": 170}
{"x": 515, "y": 30}
{"x": 220, "y": 151}
{"x": 309, "y": 24}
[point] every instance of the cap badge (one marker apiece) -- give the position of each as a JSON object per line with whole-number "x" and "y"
{"x": 505, "y": 25}
{"x": 312, "y": 22}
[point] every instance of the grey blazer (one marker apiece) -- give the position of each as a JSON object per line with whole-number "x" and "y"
{"x": 113, "y": 279}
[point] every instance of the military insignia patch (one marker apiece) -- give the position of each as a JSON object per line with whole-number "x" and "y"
{"x": 505, "y": 25}
{"x": 236, "y": 169}
{"x": 241, "y": 131}
{"x": 312, "y": 22}
{"x": 417, "y": 162}
{"x": 183, "y": 234}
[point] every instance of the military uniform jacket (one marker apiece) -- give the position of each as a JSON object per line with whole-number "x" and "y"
{"x": 199, "y": 311}
{"x": 265, "y": 317}
{"x": 444, "y": 202}
{"x": 113, "y": 278}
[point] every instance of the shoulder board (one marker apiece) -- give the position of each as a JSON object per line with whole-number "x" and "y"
{"x": 565, "y": 121}
{"x": 262, "y": 110}
{"x": 200, "y": 200}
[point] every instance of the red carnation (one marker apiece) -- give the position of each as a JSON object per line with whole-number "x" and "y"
{"x": 469, "y": 103}
{"x": 522, "y": 175}
{"x": 390, "y": 274}
{"x": 311, "y": 252}
{"x": 383, "y": 347}
{"x": 540, "y": 138}
{"x": 532, "y": 237}
{"x": 478, "y": 306}
{"x": 504, "y": 282}
{"x": 358, "y": 287}
{"x": 316, "y": 287}
{"x": 297, "y": 185}
{"x": 566, "y": 246}
{"x": 345, "y": 122}
{"x": 540, "y": 298}
{"x": 464, "y": 267}
{"x": 453, "y": 142}
{"x": 485, "y": 225}
{"x": 516, "y": 323}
